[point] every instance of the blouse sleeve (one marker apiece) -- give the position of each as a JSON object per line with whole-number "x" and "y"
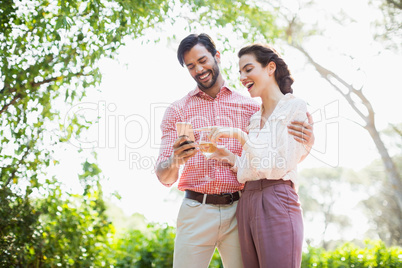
{"x": 274, "y": 152}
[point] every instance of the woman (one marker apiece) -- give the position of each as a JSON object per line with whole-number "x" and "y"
{"x": 269, "y": 214}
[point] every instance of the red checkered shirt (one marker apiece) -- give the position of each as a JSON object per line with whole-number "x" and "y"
{"x": 229, "y": 109}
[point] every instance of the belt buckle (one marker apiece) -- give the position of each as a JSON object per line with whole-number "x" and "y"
{"x": 231, "y": 197}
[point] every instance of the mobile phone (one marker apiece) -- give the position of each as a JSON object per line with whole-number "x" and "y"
{"x": 184, "y": 128}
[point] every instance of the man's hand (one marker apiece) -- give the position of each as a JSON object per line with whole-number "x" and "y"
{"x": 303, "y": 132}
{"x": 183, "y": 149}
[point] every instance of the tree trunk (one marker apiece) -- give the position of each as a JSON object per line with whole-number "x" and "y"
{"x": 390, "y": 168}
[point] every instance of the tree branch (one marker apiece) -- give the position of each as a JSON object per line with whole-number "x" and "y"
{"x": 395, "y": 3}
{"x": 17, "y": 166}
{"x": 5, "y": 107}
{"x": 326, "y": 74}
{"x": 33, "y": 85}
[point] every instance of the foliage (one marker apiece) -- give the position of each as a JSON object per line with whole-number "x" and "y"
{"x": 48, "y": 56}
{"x": 245, "y": 18}
{"x": 58, "y": 228}
{"x": 76, "y": 230}
{"x": 18, "y": 225}
{"x": 374, "y": 254}
{"x": 50, "y": 48}
{"x": 150, "y": 248}
{"x": 388, "y": 28}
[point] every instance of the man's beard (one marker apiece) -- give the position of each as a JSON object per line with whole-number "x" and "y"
{"x": 215, "y": 74}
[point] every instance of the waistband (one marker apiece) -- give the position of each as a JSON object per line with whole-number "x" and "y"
{"x": 215, "y": 199}
{"x": 264, "y": 183}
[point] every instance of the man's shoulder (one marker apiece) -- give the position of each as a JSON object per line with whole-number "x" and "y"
{"x": 181, "y": 103}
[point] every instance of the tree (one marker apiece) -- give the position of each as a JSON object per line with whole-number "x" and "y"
{"x": 51, "y": 48}
{"x": 74, "y": 230}
{"x": 55, "y": 227}
{"x": 49, "y": 51}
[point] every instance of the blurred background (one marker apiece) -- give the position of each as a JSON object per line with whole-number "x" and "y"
{"x": 84, "y": 86}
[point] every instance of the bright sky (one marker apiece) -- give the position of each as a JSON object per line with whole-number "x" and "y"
{"x": 136, "y": 91}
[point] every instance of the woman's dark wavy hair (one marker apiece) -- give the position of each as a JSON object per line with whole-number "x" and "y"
{"x": 193, "y": 39}
{"x": 264, "y": 54}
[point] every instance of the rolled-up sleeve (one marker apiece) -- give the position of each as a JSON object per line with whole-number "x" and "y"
{"x": 169, "y": 134}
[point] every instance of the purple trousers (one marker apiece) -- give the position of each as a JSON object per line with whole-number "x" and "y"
{"x": 270, "y": 225}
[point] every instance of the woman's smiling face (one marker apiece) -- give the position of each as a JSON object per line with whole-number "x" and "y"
{"x": 252, "y": 75}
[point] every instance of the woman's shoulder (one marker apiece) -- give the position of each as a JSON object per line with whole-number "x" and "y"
{"x": 292, "y": 102}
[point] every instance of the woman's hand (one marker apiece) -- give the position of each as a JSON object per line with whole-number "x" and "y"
{"x": 218, "y": 133}
{"x": 224, "y": 155}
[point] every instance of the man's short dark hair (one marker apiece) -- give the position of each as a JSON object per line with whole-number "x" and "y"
{"x": 193, "y": 39}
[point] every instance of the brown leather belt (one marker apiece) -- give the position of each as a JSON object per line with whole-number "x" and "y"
{"x": 215, "y": 199}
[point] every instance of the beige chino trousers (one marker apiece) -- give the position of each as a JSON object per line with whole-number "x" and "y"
{"x": 200, "y": 229}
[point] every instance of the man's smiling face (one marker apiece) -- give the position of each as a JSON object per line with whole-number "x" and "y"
{"x": 202, "y": 66}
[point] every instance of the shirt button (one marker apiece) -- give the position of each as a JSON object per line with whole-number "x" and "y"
{"x": 216, "y": 188}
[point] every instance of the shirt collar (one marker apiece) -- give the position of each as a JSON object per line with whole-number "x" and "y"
{"x": 198, "y": 91}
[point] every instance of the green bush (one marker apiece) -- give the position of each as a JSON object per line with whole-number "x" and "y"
{"x": 374, "y": 254}
{"x": 57, "y": 228}
{"x": 75, "y": 231}
{"x": 152, "y": 247}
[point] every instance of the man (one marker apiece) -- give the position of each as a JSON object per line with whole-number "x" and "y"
{"x": 207, "y": 218}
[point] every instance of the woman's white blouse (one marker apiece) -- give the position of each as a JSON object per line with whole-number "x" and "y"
{"x": 272, "y": 152}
